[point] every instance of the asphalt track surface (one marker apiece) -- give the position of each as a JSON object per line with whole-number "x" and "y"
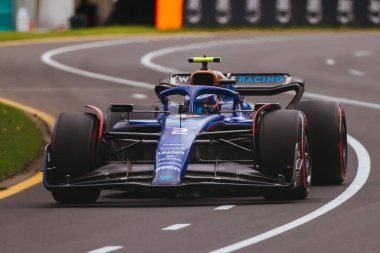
{"x": 344, "y": 65}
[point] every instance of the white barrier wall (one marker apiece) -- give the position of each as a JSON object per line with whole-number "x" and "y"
{"x": 55, "y": 14}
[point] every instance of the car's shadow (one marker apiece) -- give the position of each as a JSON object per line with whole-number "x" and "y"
{"x": 127, "y": 200}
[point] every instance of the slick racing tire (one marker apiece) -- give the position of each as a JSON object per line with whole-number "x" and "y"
{"x": 74, "y": 143}
{"x": 328, "y": 133}
{"x": 113, "y": 117}
{"x": 281, "y": 134}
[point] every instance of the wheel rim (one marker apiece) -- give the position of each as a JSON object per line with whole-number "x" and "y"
{"x": 342, "y": 145}
{"x": 344, "y": 150}
{"x": 307, "y": 158}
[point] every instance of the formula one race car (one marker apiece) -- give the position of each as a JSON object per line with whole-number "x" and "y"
{"x": 211, "y": 141}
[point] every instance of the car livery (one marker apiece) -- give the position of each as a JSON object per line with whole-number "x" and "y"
{"x": 203, "y": 139}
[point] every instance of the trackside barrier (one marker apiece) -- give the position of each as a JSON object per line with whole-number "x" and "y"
{"x": 270, "y": 13}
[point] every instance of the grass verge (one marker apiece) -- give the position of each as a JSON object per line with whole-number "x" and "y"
{"x": 116, "y": 30}
{"x": 20, "y": 140}
{"x": 136, "y": 30}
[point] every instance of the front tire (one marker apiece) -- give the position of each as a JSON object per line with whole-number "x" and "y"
{"x": 284, "y": 135}
{"x": 74, "y": 146}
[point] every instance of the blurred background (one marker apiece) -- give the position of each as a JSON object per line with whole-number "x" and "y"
{"x": 47, "y": 15}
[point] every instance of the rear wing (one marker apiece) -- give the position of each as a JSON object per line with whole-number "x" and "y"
{"x": 255, "y": 84}
{"x": 243, "y": 80}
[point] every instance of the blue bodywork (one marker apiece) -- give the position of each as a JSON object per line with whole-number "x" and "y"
{"x": 175, "y": 145}
{"x": 180, "y": 131}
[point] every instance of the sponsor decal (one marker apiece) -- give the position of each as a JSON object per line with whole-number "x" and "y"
{"x": 180, "y": 79}
{"x": 170, "y": 163}
{"x": 183, "y": 79}
{"x": 283, "y": 11}
{"x": 223, "y": 11}
{"x": 261, "y": 79}
{"x": 170, "y": 157}
{"x": 171, "y": 153}
{"x": 165, "y": 177}
{"x": 314, "y": 11}
{"x": 253, "y": 11}
{"x": 194, "y": 11}
{"x": 374, "y": 11}
{"x": 345, "y": 11}
{"x": 168, "y": 168}
{"x": 186, "y": 116}
{"x": 178, "y": 130}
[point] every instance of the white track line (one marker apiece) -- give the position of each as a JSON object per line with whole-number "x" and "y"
{"x": 330, "y": 62}
{"x": 224, "y": 207}
{"x": 176, "y": 227}
{"x": 364, "y": 167}
{"x": 147, "y": 61}
{"x": 362, "y": 53}
{"x": 105, "y": 249}
{"x": 356, "y": 72}
{"x": 139, "y": 96}
{"x": 343, "y": 100}
{"x": 47, "y": 58}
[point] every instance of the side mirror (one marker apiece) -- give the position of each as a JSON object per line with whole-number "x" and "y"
{"x": 161, "y": 87}
{"x": 128, "y": 108}
{"x": 121, "y": 107}
{"x": 227, "y": 81}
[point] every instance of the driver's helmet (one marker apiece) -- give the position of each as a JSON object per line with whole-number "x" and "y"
{"x": 206, "y": 104}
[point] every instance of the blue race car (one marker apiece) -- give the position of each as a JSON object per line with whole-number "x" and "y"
{"x": 205, "y": 139}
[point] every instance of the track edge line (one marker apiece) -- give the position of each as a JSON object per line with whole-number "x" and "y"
{"x": 362, "y": 174}
{"x": 36, "y": 178}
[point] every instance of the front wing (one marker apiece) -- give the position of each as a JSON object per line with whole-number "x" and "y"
{"x": 224, "y": 177}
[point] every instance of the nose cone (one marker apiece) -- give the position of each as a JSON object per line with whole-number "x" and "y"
{"x": 172, "y": 156}
{"x": 167, "y": 177}
{"x": 175, "y": 145}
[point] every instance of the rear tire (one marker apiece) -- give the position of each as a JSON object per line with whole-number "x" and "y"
{"x": 279, "y": 134}
{"x": 328, "y": 133}
{"x": 73, "y": 153}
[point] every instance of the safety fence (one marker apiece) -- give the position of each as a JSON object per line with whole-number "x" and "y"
{"x": 209, "y": 13}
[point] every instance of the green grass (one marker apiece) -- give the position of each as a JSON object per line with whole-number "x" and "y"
{"x": 136, "y": 30}
{"x": 20, "y": 140}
